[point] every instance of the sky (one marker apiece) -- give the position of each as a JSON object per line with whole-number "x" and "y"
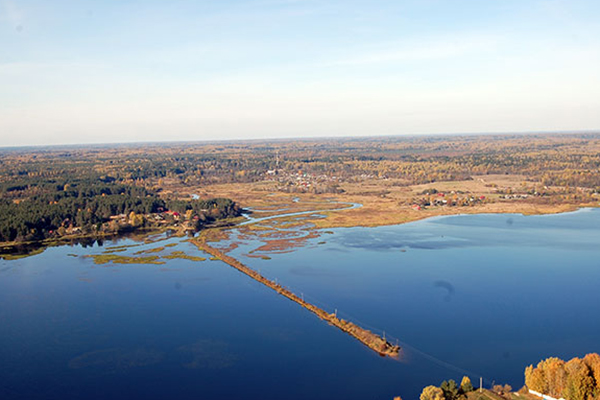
{"x": 83, "y": 71}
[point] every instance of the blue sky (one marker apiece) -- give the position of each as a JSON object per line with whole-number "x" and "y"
{"x": 121, "y": 71}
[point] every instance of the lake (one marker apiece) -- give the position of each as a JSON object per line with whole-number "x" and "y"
{"x": 483, "y": 295}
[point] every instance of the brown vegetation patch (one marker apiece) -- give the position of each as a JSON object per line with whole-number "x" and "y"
{"x": 102, "y": 259}
{"x": 215, "y": 235}
{"x": 283, "y": 245}
{"x": 183, "y": 256}
{"x": 262, "y": 257}
{"x": 150, "y": 251}
{"x": 232, "y": 246}
{"x": 279, "y": 235}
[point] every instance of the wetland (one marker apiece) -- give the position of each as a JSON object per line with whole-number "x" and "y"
{"x": 482, "y": 295}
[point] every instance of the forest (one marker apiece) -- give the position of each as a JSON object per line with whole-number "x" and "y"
{"x": 576, "y": 379}
{"x": 50, "y": 192}
{"x": 36, "y": 208}
{"x": 561, "y": 160}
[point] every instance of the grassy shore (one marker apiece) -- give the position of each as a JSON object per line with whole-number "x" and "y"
{"x": 21, "y": 249}
{"x": 384, "y": 203}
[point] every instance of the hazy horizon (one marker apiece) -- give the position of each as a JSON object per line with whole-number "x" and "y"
{"x": 122, "y": 72}
{"x": 297, "y": 138}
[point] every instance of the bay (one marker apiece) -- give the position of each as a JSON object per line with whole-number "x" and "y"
{"x": 482, "y": 295}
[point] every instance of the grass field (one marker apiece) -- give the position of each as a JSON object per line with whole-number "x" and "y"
{"x": 387, "y": 202}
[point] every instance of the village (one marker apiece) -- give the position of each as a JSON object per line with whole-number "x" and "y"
{"x": 433, "y": 198}
{"x": 300, "y": 181}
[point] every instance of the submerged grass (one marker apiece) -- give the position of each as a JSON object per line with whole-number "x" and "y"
{"x": 10, "y": 257}
{"x": 117, "y": 259}
{"x": 182, "y": 255}
{"x": 150, "y": 251}
{"x": 137, "y": 258}
{"x": 122, "y": 247}
{"x": 114, "y": 251}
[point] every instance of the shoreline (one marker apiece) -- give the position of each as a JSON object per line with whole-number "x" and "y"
{"x": 412, "y": 216}
{"x": 319, "y": 224}
{"x": 37, "y": 246}
{"x": 439, "y": 216}
{"x": 339, "y": 218}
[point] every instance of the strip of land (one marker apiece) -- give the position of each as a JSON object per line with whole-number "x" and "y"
{"x": 368, "y": 338}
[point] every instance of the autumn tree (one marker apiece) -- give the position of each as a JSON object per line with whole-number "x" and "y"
{"x": 576, "y": 379}
{"x": 592, "y": 360}
{"x": 556, "y": 376}
{"x": 450, "y": 390}
{"x": 535, "y": 378}
{"x": 580, "y": 384}
{"x": 136, "y": 219}
{"x": 465, "y": 385}
{"x": 432, "y": 393}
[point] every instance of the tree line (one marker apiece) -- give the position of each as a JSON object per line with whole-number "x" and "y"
{"x": 88, "y": 207}
{"x": 576, "y": 379}
{"x": 553, "y": 160}
{"x": 448, "y": 390}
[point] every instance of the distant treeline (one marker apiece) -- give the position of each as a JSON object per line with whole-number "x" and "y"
{"x": 553, "y": 160}
{"x": 88, "y": 207}
{"x": 46, "y": 189}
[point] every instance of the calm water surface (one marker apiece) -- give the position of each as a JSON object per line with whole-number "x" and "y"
{"x": 485, "y": 295}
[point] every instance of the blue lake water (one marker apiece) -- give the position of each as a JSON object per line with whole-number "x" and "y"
{"x": 483, "y": 295}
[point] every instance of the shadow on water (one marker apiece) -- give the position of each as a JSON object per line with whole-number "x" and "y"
{"x": 447, "y": 286}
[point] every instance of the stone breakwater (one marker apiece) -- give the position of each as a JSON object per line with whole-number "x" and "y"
{"x": 368, "y": 338}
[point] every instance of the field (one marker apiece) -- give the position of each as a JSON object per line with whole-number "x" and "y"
{"x": 384, "y": 203}
{"x": 49, "y": 195}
